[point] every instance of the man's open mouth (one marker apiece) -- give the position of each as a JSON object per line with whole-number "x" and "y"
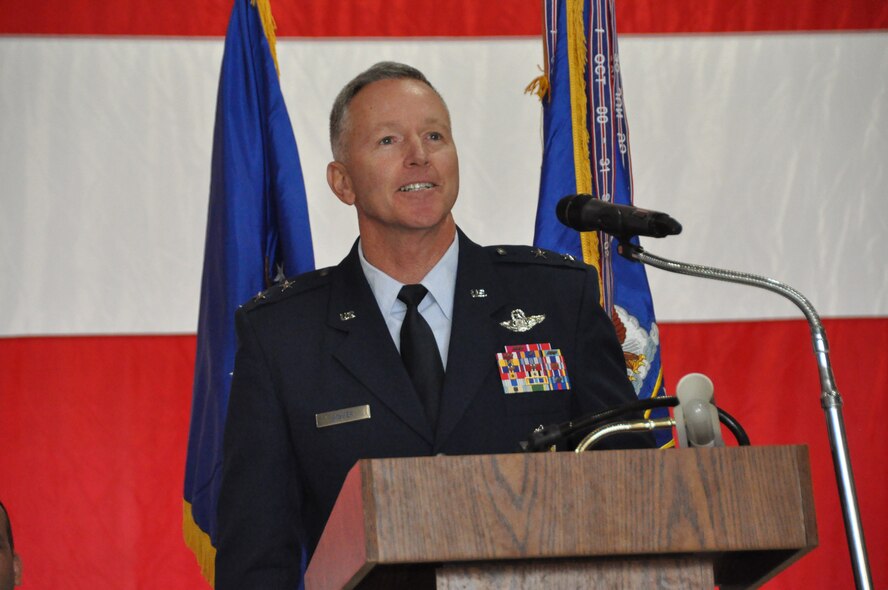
{"x": 416, "y": 186}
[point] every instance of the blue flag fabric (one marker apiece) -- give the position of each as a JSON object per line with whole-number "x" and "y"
{"x": 257, "y": 231}
{"x": 586, "y": 150}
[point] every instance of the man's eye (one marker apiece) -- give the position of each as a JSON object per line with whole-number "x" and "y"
{"x": 435, "y": 136}
{"x": 388, "y": 140}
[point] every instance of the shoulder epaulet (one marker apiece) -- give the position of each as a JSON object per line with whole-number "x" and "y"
{"x": 289, "y": 287}
{"x": 533, "y": 255}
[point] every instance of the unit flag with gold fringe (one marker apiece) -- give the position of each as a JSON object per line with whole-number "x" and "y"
{"x": 586, "y": 151}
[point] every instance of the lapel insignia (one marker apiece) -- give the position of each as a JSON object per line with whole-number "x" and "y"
{"x": 260, "y": 296}
{"x": 521, "y": 322}
{"x": 538, "y": 253}
{"x": 569, "y": 257}
{"x": 347, "y": 315}
{"x": 478, "y": 293}
{"x": 286, "y": 285}
{"x": 532, "y": 367}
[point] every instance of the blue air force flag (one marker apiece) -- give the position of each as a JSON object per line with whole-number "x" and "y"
{"x": 257, "y": 231}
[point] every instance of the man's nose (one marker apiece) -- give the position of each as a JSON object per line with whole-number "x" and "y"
{"x": 417, "y": 155}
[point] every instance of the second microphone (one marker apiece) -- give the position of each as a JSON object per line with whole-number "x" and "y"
{"x": 586, "y": 213}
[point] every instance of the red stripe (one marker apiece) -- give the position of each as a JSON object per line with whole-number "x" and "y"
{"x": 718, "y": 16}
{"x": 430, "y": 18}
{"x": 765, "y": 375}
{"x": 93, "y": 433}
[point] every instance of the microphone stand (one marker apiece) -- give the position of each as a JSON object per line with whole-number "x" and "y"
{"x": 830, "y": 400}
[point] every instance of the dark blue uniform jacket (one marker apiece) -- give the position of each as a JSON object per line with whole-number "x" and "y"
{"x": 318, "y": 343}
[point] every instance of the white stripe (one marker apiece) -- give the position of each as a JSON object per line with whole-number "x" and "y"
{"x": 770, "y": 150}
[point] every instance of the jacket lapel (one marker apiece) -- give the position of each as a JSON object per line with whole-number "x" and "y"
{"x": 367, "y": 350}
{"x": 472, "y": 336}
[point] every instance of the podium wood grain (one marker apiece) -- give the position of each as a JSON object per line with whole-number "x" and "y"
{"x": 747, "y": 511}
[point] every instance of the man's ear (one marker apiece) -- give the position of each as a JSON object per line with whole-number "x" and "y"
{"x": 17, "y": 570}
{"x": 340, "y": 183}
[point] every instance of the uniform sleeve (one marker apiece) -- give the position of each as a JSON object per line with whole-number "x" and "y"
{"x": 258, "y": 545}
{"x": 602, "y": 382}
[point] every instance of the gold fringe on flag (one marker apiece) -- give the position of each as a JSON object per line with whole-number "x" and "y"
{"x": 200, "y": 544}
{"x": 576, "y": 55}
{"x": 264, "y": 8}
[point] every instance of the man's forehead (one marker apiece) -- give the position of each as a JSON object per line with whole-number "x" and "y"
{"x": 379, "y": 94}
{"x": 401, "y": 122}
{"x": 387, "y": 85}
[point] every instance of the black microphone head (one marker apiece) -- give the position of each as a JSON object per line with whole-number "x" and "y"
{"x": 586, "y": 213}
{"x": 662, "y": 225}
{"x": 570, "y": 209}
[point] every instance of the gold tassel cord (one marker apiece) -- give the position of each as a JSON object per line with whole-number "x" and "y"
{"x": 658, "y": 387}
{"x": 655, "y": 391}
{"x": 539, "y": 86}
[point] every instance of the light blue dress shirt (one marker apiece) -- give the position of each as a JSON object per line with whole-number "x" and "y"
{"x": 436, "y": 308}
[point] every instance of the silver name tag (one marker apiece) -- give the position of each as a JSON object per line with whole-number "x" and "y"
{"x": 342, "y": 416}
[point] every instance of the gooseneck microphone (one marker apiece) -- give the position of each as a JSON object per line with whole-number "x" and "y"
{"x": 830, "y": 400}
{"x": 586, "y": 213}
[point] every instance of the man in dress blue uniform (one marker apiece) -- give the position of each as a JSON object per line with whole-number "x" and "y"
{"x": 419, "y": 342}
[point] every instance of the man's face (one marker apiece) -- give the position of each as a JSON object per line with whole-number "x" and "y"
{"x": 398, "y": 165}
{"x": 10, "y": 566}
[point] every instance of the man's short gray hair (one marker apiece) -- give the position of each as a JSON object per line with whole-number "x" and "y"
{"x": 384, "y": 70}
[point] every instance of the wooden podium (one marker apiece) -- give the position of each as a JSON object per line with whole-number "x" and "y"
{"x": 679, "y": 518}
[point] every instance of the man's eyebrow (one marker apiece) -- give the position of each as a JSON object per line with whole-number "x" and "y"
{"x": 438, "y": 121}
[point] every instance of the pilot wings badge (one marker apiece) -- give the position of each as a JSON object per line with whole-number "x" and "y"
{"x": 521, "y": 322}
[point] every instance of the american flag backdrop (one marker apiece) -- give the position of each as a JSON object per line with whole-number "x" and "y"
{"x": 761, "y": 126}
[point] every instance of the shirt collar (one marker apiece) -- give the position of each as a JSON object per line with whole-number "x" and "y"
{"x": 440, "y": 281}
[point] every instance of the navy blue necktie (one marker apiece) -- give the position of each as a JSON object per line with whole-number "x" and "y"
{"x": 419, "y": 351}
